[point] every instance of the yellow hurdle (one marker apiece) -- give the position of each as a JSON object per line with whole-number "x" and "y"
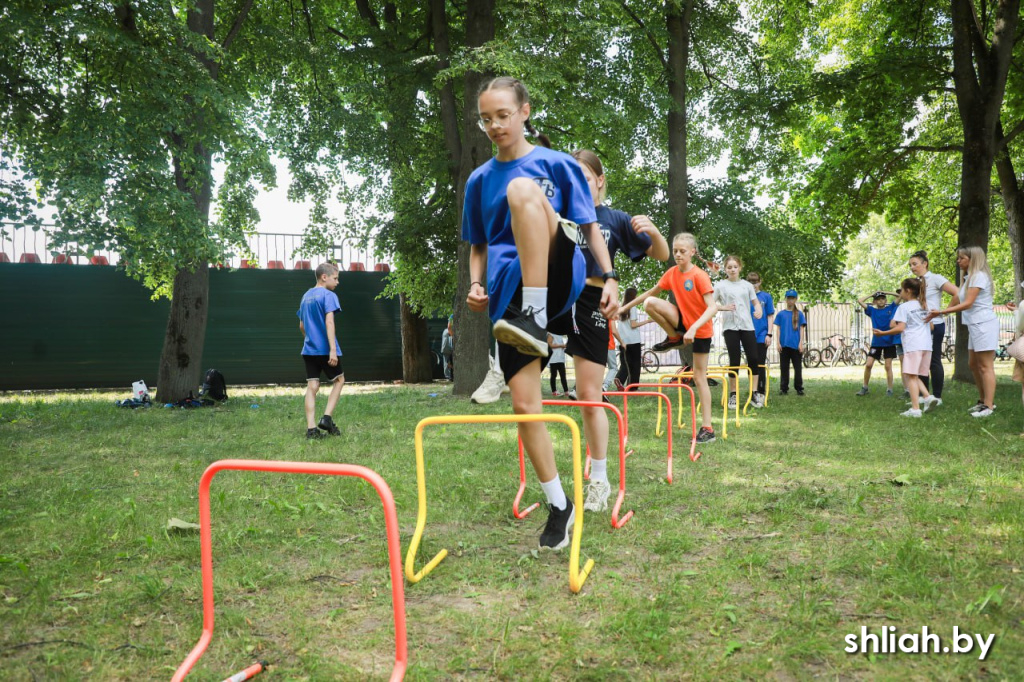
{"x": 767, "y": 382}
{"x": 750, "y": 382}
{"x": 722, "y": 374}
{"x": 576, "y": 576}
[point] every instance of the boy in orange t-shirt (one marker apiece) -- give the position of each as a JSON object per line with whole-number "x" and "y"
{"x": 688, "y": 320}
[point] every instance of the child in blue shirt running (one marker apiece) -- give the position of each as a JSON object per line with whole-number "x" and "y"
{"x": 523, "y": 211}
{"x": 320, "y": 350}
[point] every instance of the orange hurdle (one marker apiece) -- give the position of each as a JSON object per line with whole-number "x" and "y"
{"x": 325, "y": 469}
{"x": 627, "y": 394}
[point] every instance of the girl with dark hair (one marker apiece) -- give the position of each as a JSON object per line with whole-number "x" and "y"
{"x": 523, "y": 210}
{"x": 636, "y": 237}
{"x": 628, "y": 326}
{"x": 935, "y": 286}
{"x": 911, "y": 324}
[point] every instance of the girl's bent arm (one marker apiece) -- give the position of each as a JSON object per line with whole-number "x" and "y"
{"x": 639, "y": 299}
{"x": 477, "y": 298}
{"x": 972, "y": 293}
{"x": 709, "y": 314}
{"x": 659, "y": 247}
{"x": 951, "y": 289}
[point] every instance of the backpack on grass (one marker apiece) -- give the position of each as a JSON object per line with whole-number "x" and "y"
{"x": 215, "y": 388}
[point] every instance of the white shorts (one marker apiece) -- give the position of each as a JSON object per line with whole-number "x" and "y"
{"x": 983, "y": 336}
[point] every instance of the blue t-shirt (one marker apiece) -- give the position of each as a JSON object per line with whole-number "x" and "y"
{"x": 789, "y": 337}
{"x": 486, "y": 218}
{"x": 767, "y": 308}
{"x": 619, "y": 235}
{"x": 316, "y": 303}
{"x": 881, "y": 318}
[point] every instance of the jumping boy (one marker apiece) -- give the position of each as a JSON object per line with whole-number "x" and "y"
{"x": 688, "y": 320}
{"x": 320, "y": 351}
{"x": 880, "y": 312}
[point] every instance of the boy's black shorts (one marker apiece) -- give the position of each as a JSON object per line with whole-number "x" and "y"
{"x": 699, "y": 345}
{"x": 879, "y": 352}
{"x": 588, "y": 329}
{"x": 319, "y": 363}
{"x": 560, "y": 278}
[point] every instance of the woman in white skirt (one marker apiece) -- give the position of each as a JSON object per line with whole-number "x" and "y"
{"x": 982, "y": 324}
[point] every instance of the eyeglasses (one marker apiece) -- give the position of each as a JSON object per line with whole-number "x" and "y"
{"x": 500, "y": 121}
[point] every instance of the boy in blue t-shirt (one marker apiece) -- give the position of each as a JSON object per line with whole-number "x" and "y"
{"x": 880, "y": 311}
{"x": 320, "y": 351}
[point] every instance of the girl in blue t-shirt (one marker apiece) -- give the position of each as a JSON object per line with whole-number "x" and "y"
{"x": 791, "y": 343}
{"x": 521, "y": 213}
{"x": 638, "y": 238}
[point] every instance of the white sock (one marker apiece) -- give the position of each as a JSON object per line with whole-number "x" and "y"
{"x": 599, "y": 470}
{"x": 537, "y": 298}
{"x": 553, "y": 491}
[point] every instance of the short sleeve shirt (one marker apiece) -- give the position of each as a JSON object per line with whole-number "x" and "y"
{"x": 313, "y": 309}
{"x": 618, "y": 233}
{"x": 789, "y": 337}
{"x": 767, "y": 308}
{"x": 558, "y": 354}
{"x": 917, "y": 336}
{"x": 981, "y": 310}
{"x": 933, "y": 283}
{"x": 629, "y": 335}
{"x": 881, "y": 318}
{"x": 742, "y": 294}
{"x": 689, "y": 288}
{"x": 486, "y": 218}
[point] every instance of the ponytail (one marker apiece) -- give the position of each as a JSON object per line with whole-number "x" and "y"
{"x": 916, "y": 286}
{"x": 795, "y": 309}
{"x": 541, "y": 137}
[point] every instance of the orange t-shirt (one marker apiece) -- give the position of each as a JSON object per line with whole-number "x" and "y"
{"x": 689, "y": 289}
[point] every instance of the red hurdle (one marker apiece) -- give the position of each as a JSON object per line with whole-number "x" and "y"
{"x": 628, "y": 393}
{"x": 321, "y": 468}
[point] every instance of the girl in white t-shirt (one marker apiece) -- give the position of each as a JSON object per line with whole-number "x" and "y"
{"x": 982, "y": 324}
{"x": 910, "y": 322}
{"x": 735, "y": 297}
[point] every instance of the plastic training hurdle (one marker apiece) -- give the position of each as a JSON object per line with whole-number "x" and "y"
{"x": 616, "y": 521}
{"x": 750, "y": 381}
{"x": 323, "y": 469}
{"x": 674, "y": 380}
{"x": 628, "y": 393}
{"x": 577, "y": 576}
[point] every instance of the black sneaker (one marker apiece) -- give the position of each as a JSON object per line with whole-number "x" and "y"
{"x": 706, "y": 435}
{"x": 712, "y": 383}
{"x": 314, "y": 434}
{"x": 668, "y": 344}
{"x": 522, "y": 332}
{"x": 328, "y": 425}
{"x": 785, "y": 392}
{"x": 556, "y": 530}
{"x": 800, "y": 391}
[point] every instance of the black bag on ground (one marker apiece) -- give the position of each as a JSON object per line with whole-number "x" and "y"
{"x": 214, "y": 386}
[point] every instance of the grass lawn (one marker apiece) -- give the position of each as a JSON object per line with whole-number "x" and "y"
{"x": 817, "y": 516}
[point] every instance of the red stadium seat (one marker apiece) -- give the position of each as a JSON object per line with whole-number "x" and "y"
{"x": 275, "y": 265}
{"x": 356, "y": 267}
{"x": 249, "y": 264}
{"x": 63, "y": 259}
{"x": 382, "y": 267}
{"x": 303, "y": 265}
{"x": 99, "y": 260}
{"x": 4, "y": 258}
{"x": 29, "y": 258}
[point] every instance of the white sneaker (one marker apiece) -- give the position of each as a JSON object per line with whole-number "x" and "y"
{"x": 572, "y": 394}
{"x": 490, "y": 389}
{"x": 984, "y": 411}
{"x": 598, "y": 493}
{"x": 758, "y": 401}
{"x": 911, "y": 413}
{"x": 928, "y": 403}
{"x": 732, "y": 401}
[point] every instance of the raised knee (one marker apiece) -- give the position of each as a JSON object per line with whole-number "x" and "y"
{"x": 521, "y": 190}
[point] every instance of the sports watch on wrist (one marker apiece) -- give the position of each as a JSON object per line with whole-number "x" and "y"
{"x": 611, "y": 274}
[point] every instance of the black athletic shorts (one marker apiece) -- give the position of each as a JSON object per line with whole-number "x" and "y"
{"x": 560, "y": 277}
{"x": 879, "y": 352}
{"x": 319, "y": 363}
{"x": 588, "y": 328}
{"x": 699, "y": 345}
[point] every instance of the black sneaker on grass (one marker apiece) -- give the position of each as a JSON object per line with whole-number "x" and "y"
{"x": 706, "y": 435}
{"x": 668, "y": 344}
{"x": 556, "y": 530}
{"x": 522, "y": 332}
{"x": 800, "y": 391}
{"x": 712, "y": 383}
{"x": 328, "y": 425}
{"x": 314, "y": 434}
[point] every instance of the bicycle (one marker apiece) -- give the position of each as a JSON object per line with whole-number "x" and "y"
{"x": 812, "y": 358}
{"x": 845, "y": 352}
{"x": 650, "y": 361}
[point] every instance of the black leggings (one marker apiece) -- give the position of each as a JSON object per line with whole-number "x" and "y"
{"x": 751, "y": 348}
{"x": 558, "y": 368}
{"x": 936, "y": 373}
{"x": 787, "y": 355}
{"x": 629, "y": 364}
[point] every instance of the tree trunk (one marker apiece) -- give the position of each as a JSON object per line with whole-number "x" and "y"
{"x": 416, "y": 356}
{"x": 185, "y": 337}
{"x": 472, "y": 330}
{"x": 1013, "y": 205}
{"x": 678, "y": 20}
